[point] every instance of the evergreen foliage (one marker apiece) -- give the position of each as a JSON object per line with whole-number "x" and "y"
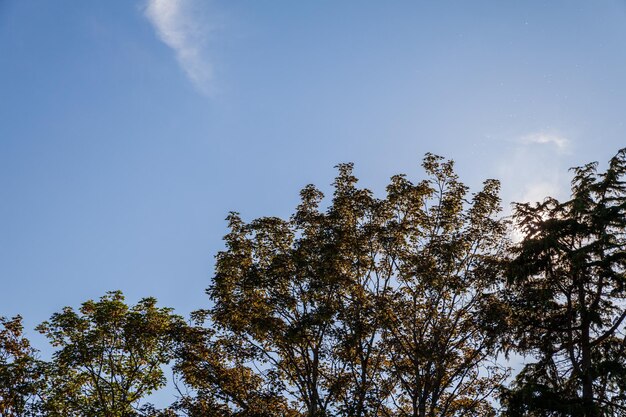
{"x": 567, "y": 298}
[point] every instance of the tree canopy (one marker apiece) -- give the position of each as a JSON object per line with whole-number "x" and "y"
{"x": 405, "y": 305}
{"x": 368, "y": 307}
{"x": 109, "y": 356}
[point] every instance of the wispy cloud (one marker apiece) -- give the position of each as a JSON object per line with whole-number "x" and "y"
{"x": 542, "y": 138}
{"x": 535, "y": 167}
{"x": 181, "y": 26}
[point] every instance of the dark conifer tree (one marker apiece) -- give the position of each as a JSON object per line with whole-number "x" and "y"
{"x": 568, "y": 299}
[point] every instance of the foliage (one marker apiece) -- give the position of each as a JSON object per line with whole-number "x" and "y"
{"x": 567, "y": 298}
{"x": 20, "y": 372}
{"x": 367, "y": 308}
{"x": 223, "y": 385}
{"x": 109, "y": 356}
{"x": 440, "y": 337}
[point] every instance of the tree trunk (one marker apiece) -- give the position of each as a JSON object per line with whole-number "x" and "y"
{"x": 590, "y": 409}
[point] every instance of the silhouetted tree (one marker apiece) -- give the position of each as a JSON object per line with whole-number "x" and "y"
{"x": 568, "y": 299}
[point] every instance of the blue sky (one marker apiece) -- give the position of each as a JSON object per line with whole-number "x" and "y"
{"x": 129, "y": 129}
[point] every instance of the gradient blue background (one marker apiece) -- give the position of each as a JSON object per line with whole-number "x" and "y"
{"x": 117, "y": 170}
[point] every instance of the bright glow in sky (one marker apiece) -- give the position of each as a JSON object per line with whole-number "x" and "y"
{"x": 129, "y": 129}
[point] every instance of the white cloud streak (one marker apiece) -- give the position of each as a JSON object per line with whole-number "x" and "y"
{"x": 542, "y": 138}
{"x": 179, "y": 25}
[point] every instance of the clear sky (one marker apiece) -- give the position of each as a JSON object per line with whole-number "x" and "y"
{"x": 129, "y": 129}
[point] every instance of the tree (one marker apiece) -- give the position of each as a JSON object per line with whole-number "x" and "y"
{"x": 318, "y": 309}
{"x": 446, "y": 253}
{"x": 222, "y": 384}
{"x": 109, "y": 356}
{"x": 20, "y": 372}
{"x": 567, "y": 295}
{"x": 276, "y": 296}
